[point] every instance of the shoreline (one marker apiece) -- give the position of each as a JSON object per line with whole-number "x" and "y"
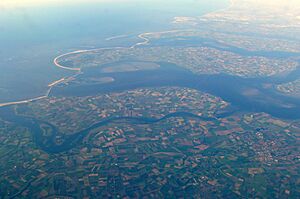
{"x": 231, "y": 4}
{"x": 78, "y": 71}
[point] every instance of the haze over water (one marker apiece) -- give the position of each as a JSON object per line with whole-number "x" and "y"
{"x": 27, "y": 49}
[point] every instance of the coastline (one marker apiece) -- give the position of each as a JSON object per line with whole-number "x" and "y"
{"x": 142, "y": 36}
{"x": 231, "y": 4}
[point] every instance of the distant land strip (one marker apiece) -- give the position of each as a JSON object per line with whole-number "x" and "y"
{"x": 142, "y": 36}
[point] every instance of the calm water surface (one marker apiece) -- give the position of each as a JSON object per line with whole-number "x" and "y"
{"x": 31, "y": 37}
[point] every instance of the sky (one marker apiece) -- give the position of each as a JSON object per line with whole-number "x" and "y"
{"x": 24, "y": 3}
{"x": 274, "y": 3}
